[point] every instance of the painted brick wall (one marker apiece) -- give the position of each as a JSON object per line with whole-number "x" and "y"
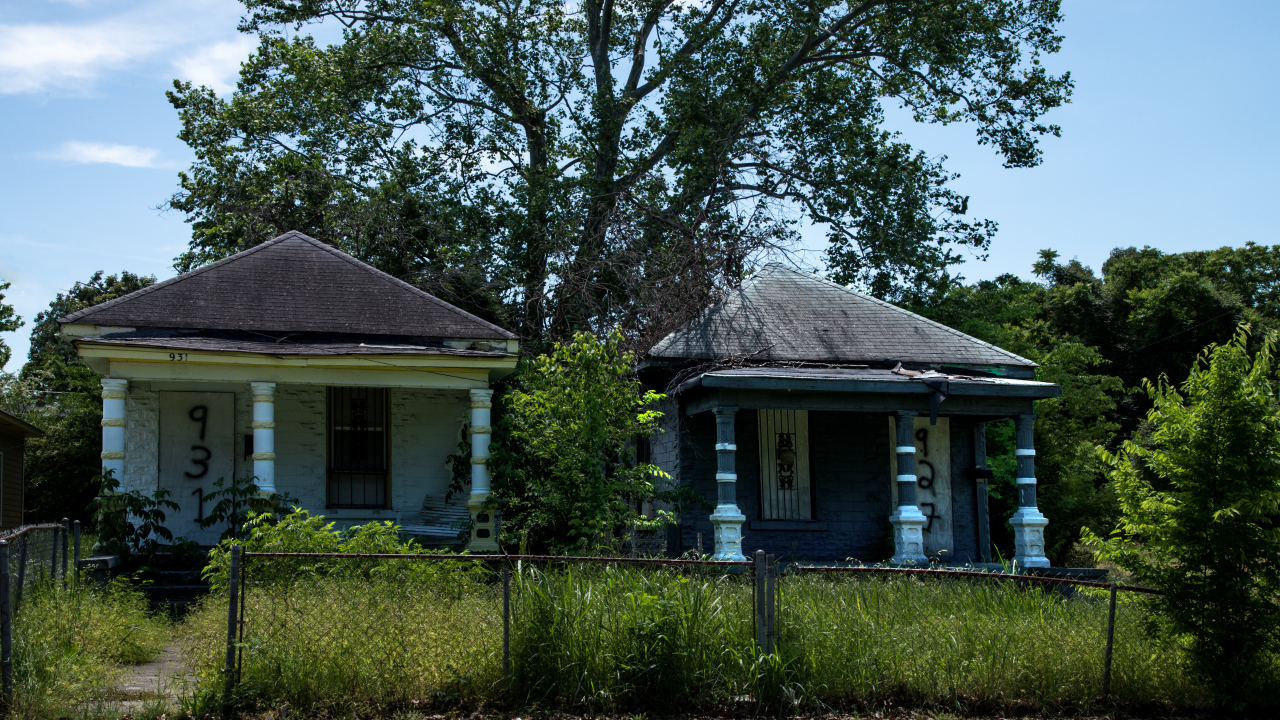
{"x": 425, "y": 427}
{"x": 849, "y": 461}
{"x": 141, "y": 438}
{"x": 301, "y": 452}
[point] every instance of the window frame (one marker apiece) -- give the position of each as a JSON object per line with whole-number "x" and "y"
{"x": 330, "y": 472}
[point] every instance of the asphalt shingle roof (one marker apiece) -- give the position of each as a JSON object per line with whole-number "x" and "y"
{"x": 292, "y": 283}
{"x": 781, "y": 314}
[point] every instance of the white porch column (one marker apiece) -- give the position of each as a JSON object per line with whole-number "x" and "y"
{"x": 113, "y": 422}
{"x": 727, "y": 518}
{"x": 484, "y": 536}
{"x": 264, "y": 437}
{"x": 1028, "y": 524}
{"x": 907, "y": 520}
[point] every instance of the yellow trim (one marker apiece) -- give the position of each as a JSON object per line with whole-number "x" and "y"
{"x": 433, "y": 371}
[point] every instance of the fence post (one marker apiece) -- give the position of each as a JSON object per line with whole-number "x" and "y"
{"x": 76, "y": 555}
{"x": 66, "y": 545}
{"x": 22, "y": 569}
{"x": 771, "y": 593}
{"x": 233, "y": 598}
{"x": 762, "y": 607}
{"x": 506, "y": 626}
{"x": 53, "y": 558}
{"x": 6, "y": 628}
{"x": 1111, "y": 632}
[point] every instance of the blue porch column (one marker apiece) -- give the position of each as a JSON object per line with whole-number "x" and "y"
{"x": 1028, "y": 524}
{"x": 727, "y": 519}
{"x": 907, "y": 520}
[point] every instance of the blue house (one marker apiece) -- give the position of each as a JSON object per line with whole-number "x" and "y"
{"x": 823, "y": 424}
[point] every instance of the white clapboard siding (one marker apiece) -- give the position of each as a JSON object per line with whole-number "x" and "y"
{"x": 777, "y": 503}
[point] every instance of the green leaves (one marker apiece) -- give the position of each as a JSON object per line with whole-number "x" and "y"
{"x": 548, "y": 165}
{"x": 1200, "y": 494}
{"x": 564, "y": 461}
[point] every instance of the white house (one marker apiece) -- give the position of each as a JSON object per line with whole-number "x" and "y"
{"x": 329, "y": 381}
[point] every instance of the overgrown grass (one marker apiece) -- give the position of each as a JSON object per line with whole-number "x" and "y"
{"x": 625, "y": 639}
{"x": 71, "y": 643}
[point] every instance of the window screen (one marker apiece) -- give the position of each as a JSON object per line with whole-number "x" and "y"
{"x": 785, "y": 489}
{"x": 358, "y": 447}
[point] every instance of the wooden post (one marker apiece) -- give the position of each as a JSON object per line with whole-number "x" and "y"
{"x": 771, "y": 592}
{"x": 233, "y": 602}
{"x": 6, "y": 629}
{"x": 1111, "y": 632}
{"x": 762, "y": 607}
{"x": 980, "y": 483}
{"x": 506, "y": 626}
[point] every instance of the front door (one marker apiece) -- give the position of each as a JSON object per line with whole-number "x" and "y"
{"x": 933, "y": 482}
{"x": 197, "y": 446}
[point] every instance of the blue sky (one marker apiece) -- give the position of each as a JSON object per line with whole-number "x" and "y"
{"x": 1170, "y": 140}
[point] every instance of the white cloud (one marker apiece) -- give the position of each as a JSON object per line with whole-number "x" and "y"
{"x": 218, "y": 65}
{"x": 34, "y": 58}
{"x": 86, "y": 153}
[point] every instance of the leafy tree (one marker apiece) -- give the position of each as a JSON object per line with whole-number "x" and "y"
{"x": 58, "y": 393}
{"x": 9, "y": 321}
{"x": 1200, "y": 496}
{"x": 559, "y": 166}
{"x": 564, "y": 469}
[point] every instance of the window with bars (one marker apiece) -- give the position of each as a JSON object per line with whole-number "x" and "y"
{"x": 786, "y": 492}
{"x": 359, "y": 447}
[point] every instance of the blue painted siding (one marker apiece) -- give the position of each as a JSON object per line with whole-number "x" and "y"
{"x": 849, "y": 461}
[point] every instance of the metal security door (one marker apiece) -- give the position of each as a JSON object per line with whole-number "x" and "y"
{"x": 197, "y": 448}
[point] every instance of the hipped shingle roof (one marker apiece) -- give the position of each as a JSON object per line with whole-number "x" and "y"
{"x": 780, "y": 314}
{"x": 292, "y": 283}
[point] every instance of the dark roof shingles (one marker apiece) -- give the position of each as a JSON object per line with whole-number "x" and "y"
{"x": 781, "y": 314}
{"x": 290, "y": 284}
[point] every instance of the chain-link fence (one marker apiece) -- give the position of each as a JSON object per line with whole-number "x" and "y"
{"x": 622, "y": 634}
{"x": 30, "y": 555}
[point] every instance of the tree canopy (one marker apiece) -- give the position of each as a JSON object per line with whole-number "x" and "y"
{"x": 559, "y": 166}
{"x": 9, "y": 321}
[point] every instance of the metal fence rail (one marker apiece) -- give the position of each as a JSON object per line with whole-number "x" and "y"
{"x": 398, "y": 627}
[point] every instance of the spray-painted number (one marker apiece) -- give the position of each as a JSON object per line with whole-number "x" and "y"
{"x": 177, "y": 357}
{"x": 200, "y": 414}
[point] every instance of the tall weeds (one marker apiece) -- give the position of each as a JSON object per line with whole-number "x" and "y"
{"x": 610, "y": 638}
{"x": 71, "y": 641}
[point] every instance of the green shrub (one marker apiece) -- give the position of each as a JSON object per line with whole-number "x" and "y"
{"x": 1200, "y": 498}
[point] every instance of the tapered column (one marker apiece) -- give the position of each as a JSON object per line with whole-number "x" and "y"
{"x": 484, "y": 537}
{"x": 727, "y": 518}
{"x": 264, "y": 437}
{"x": 1028, "y": 524}
{"x": 907, "y": 520}
{"x": 113, "y": 423}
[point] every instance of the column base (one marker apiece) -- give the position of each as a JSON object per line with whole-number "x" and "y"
{"x": 727, "y": 520}
{"x": 484, "y": 532}
{"x": 1028, "y": 538}
{"x": 908, "y": 536}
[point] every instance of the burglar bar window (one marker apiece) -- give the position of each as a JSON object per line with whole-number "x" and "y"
{"x": 785, "y": 490}
{"x": 358, "y": 447}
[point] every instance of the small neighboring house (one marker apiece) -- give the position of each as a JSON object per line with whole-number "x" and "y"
{"x": 824, "y": 424}
{"x": 327, "y": 380}
{"x": 13, "y": 435}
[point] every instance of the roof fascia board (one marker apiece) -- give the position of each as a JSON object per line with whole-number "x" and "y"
{"x": 402, "y": 361}
{"x": 424, "y": 377}
{"x": 896, "y": 387}
{"x": 709, "y": 399}
{"x": 22, "y": 427}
